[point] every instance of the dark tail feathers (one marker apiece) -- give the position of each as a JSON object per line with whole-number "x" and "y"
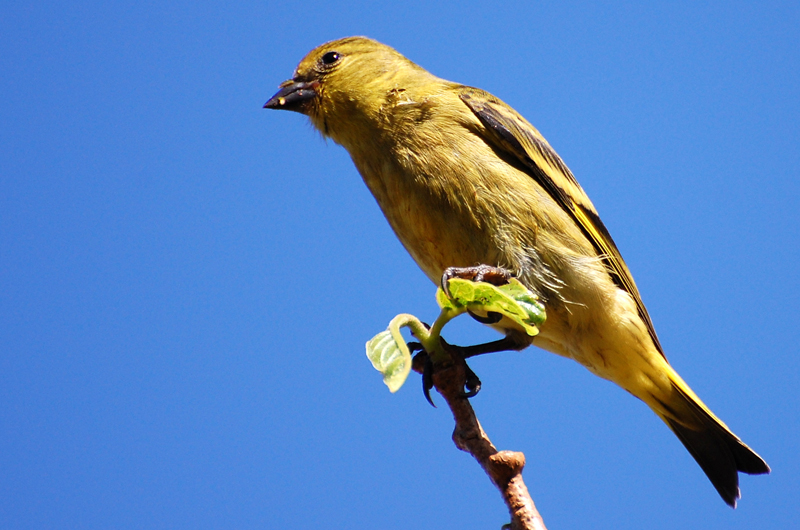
{"x": 719, "y": 452}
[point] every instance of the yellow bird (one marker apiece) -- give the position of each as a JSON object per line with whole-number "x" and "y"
{"x": 464, "y": 180}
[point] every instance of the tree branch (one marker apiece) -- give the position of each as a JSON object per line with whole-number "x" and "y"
{"x": 503, "y": 467}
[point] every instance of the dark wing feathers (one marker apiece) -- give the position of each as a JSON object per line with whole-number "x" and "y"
{"x": 512, "y": 134}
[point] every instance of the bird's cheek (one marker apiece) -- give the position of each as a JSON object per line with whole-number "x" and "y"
{"x": 316, "y": 113}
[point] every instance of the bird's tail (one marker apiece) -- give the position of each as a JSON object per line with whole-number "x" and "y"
{"x": 720, "y": 453}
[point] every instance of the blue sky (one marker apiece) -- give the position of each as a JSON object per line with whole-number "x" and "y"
{"x": 187, "y": 281}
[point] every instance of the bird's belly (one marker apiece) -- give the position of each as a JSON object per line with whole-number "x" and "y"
{"x": 609, "y": 338}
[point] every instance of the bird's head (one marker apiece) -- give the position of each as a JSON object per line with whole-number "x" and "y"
{"x": 344, "y": 83}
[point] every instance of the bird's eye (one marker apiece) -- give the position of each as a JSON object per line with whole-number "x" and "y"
{"x": 330, "y": 58}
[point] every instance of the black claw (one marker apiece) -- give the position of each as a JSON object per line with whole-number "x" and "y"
{"x": 422, "y": 363}
{"x": 427, "y": 380}
{"x": 413, "y": 347}
{"x": 492, "y": 317}
{"x": 472, "y": 383}
{"x": 445, "y": 281}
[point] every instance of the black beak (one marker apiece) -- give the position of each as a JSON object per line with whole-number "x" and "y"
{"x": 293, "y": 95}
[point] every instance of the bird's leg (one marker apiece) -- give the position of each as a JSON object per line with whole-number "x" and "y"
{"x": 507, "y": 343}
{"x": 462, "y": 353}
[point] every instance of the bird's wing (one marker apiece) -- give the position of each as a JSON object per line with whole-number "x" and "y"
{"x": 509, "y": 132}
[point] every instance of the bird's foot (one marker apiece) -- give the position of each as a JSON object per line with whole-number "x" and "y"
{"x": 423, "y": 364}
{"x": 480, "y": 273}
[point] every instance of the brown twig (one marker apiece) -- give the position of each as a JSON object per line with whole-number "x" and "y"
{"x": 503, "y": 467}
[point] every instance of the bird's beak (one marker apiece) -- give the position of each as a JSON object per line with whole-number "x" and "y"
{"x": 293, "y": 95}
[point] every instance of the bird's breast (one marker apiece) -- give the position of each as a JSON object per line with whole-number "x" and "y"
{"x": 436, "y": 225}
